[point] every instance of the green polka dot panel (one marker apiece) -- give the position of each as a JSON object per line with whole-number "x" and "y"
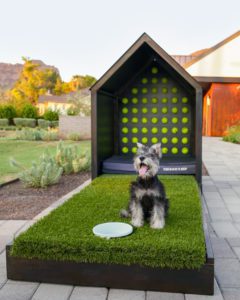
{"x": 156, "y": 108}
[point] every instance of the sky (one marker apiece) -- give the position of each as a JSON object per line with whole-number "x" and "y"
{"x": 87, "y": 37}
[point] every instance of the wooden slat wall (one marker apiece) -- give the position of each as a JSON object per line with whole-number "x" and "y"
{"x": 224, "y": 108}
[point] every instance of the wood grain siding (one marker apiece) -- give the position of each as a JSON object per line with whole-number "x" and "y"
{"x": 224, "y": 108}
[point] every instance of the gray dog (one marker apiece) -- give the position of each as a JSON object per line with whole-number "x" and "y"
{"x": 148, "y": 198}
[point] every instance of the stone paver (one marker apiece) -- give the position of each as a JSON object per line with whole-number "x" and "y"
{"x": 52, "y": 292}
{"x": 164, "y": 296}
{"x": 117, "y": 294}
{"x": 85, "y": 293}
{"x": 225, "y": 229}
{"x": 217, "y": 295}
{"x": 221, "y": 248}
{"x": 18, "y": 291}
{"x": 227, "y": 271}
{"x": 231, "y": 294}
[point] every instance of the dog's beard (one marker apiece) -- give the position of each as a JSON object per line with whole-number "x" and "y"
{"x": 146, "y": 168}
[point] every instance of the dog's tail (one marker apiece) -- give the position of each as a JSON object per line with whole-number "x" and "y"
{"x": 124, "y": 213}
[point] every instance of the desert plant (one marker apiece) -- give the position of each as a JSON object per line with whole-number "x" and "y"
{"x": 43, "y": 123}
{"x": 37, "y": 134}
{"x": 4, "y": 122}
{"x": 49, "y": 135}
{"x": 70, "y": 160}
{"x": 74, "y": 137}
{"x": 8, "y": 112}
{"x": 46, "y": 172}
{"x": 29, "y": 111}
{"x": 24, "y": 122}
{"x": 51, "y": 115}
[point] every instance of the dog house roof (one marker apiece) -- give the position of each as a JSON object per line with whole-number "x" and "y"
{"x": 138, "y": 56}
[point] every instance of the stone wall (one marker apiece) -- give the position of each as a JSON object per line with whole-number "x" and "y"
{"x": 75, "y": 125}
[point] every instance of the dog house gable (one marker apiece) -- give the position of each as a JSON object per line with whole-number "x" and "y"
{"x": 146, "y": 96}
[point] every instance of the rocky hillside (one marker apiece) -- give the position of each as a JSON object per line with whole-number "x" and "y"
{"x": 9, "y": 73}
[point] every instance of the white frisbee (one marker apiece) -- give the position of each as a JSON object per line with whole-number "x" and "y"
{"x": 112, "y": 229}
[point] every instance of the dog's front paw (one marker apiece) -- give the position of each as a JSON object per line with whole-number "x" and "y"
{"x": 158, "y": 224}
{"x": 137, "y": 222}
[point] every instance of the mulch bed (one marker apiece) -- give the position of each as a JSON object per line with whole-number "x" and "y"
{"x": 20, "y": 203}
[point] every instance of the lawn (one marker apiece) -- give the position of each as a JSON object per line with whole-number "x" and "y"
{"x": 25, "y": 152}
{"x": 66, "y": 234}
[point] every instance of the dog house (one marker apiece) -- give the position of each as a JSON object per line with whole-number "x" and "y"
{"x": 146, "y": 97}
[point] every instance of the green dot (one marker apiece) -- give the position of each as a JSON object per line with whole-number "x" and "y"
{"x": 184, "y": 120}
{"x": 134, "y": 140}
{"x": 164, "y": 100}
{"x": 164, "y": 120}
{"x": 144, "y": 120}
{"x": 154, "y": 70}
{"x": 174, "y": 90}
{"x": 154, "y": 110}
{"x": 164, "y": 130}
{"x": 154, "y": 90}
{"x": 124, "y": 120}
{"x": 144, "y": 140}
{"x": 164, "y": 150}
{"x": 134, "y": 150}
{"x": 124, "y": 130}
{"x": 154, "y": 80}
{"x": 174, "y": 120}
{"x": 154, "y": 100}
{"x": 185, "y": 110}
{"x": 144, "y": 130}
{"x": 134, "y": 130}
{"x": 125, "y": 140}
{"x": 144, "y": 110}
{"x": 124, "y": 110}
{"x": 154, "y": 130}
{"x": 164, "y": 80}
{"x": 134, "y": 120}
{"x": 164, "y": 140}
{"x": 185, "y": 150}
{"x": 184, "y": 130}
{"x": 164, "y": 90}
{"x": 174, "y": 100}
{"x": 144, "y": 100}
{"x": 184, "y": 140}
{"x": 164, "y": 110}
{"x": 125, "y": 150}
{"x": 124, "y": 100}
{"x": 134, "y": 110}
{"x": 174, "y": 140}
{"x": 144, "y": 80}
{"x": 134, "y": 91}
{"x": 174, "y": 150}
{"x": 135, "y": 100}
{"x": 174, "y": 130}
{"x": 154, "y": 120}
{"x": 144, "y": 90}
{"x": 174, "y": 110}
{"x": 184, "y": 100}
{"x": 154, "y": 140}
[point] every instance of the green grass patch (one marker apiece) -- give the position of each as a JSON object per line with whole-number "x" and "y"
{"x": 66, "y": 234}
{"x": 25, "y": 152}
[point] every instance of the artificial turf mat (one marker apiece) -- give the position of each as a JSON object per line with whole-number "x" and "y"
{"x": 66, "y": 234}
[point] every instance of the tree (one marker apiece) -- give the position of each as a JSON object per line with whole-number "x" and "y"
{"x": 80, "y": 82}
{"x": 81, "y": 104}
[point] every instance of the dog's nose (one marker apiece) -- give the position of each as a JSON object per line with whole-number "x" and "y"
{"x": 141, "y": 158}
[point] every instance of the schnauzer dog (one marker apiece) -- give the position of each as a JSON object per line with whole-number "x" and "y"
{"x": 148, "y": 198}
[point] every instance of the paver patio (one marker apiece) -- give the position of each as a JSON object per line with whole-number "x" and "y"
{"x": 222, "y": 194}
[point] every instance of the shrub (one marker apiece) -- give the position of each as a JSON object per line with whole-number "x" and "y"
{"x": 51, "y": 115}
{"x": 4, "y": 122}
{"x": 46, "y": 172}
{"x": 54, "y": 124}
{"x": 43, "y": 123}
{"x": 23, "y": 122}
{"x": 233, "y": 134}
{"x": 8, "y": 112}
{"x": 74, "y": 137}
{"x": 70, "y": 160}
{"x": 37, "y": 134}
{"x": 29, "y": 111}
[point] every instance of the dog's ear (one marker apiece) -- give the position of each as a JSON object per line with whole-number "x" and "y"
{"x": 157, "y": 149}
{"x": 140, "y": 146}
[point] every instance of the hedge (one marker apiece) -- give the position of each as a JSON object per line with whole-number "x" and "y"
{"x": 24, "y": 122}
